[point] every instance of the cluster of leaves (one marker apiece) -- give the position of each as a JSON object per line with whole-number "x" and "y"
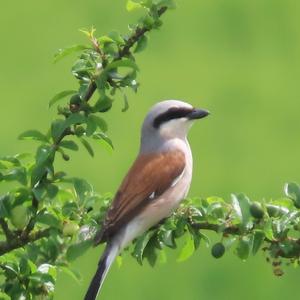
{"x": 37, "y": 240}
{"x": 48, "y": 219}
{"x": 244, "y": 225}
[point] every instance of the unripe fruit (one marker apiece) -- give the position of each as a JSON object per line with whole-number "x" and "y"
{"x": 256, "y": 210}
{"x": 70, "y": 228}
{"x": 75, "y": 99}
{"x": 66, "y": 157}
{"x": 297, "y": 227}
{"x": 79, "y": 131}
{"x": 218, "y": 250}
{"x": 272, "y": 210}
{"x": 19, "y": 217}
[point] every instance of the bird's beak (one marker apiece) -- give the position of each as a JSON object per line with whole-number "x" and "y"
{"x": 197, "y": 113}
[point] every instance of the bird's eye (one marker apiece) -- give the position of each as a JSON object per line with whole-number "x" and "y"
{"x": 170, "y": 114}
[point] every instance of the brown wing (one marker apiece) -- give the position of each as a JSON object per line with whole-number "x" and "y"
{"x": 149, "y": 177}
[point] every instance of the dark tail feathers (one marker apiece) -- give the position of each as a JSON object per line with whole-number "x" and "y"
{"x": 104, "y": 264}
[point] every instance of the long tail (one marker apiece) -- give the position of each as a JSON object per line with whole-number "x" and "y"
{"x": 106, "y": 260}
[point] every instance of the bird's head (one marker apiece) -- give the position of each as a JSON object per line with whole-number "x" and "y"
{"x": 171, "y": 119}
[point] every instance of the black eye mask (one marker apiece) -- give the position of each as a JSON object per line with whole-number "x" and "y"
{"x": 170, "y": 114}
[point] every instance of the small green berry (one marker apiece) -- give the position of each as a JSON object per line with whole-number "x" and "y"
{"x": 19, "y": 217}
{"x": 70, "y": 228}
{"x": 218, "y": 250}
{"x": 256, "y": 210}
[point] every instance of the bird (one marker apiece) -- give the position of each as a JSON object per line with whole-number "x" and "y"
{"x": 154, "y": 186}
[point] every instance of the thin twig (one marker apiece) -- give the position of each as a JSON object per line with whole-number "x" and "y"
{"x": 8, "y": 234}
{"x": 134, "y": 38}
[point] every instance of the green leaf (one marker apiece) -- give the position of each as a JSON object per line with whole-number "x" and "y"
{"x": 196, "y": 236}
{"x": 140, "y": 246}
{"x": 150, "y": 251}
{"x": 7, "y": 162}
{"x": 125, "y": 63}
{"x": 243, "y": 248}
{"x": 103, "y": 104}
{"x": 131, "y": 5}
{"x": 205, "y": 238}
{"x": 52, "y": 190}
{"x": 168, "y": 238}
{"x": 5, "y": 206}
{"x": 44, "y": 159}
{"x": 4, "y": 296}
{"x": 33, "y": 135}
{"x": 126, "y": 104}
{"x": 61, "y": 53}
{"x": 39, "y": 192}
{"x": 180, "y": 227}
{"x": 48, "y": 219}
{"x": 61, "y": 96}
{"x": 82, "y": 188}
{"x": 24, "y": 266}
{"x": 105, "y": 40}
{"x": 241, "y": 205}
{"x": 82, "y": 67}
{"x": 74, "y": 118}
{"x": 102, "y": 137}
{"x": 101, "y": 123}
{"x": 276, "y": 210}
{"x": 83, "y": 89}
{"x": 141, "y": 44}
{"x": 91, "y": 125}
{"x": 87, "y": 146}
{"x": 292, "y": 190}
{"x": 287, "y": 222}
{"x": 258, "y": 240}
{"x": 115, "y": 36}
{"x": 76, "y": 250}
{"x": 101, "y": 80}
{"x": 69, "y": 145}
{"x": 43, "y": 154}
{"x": 17, "y": 174}
{"x": 188, "y": 249}
{"x": 72, "y": 273}
{"x": 59, "y": 126}
{"x": 148, "y": 21}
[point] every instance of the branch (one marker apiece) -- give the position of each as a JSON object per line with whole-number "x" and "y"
{"x": 136, "y": 36}
{"x": 8, "y": 234}
{"x": 131, "y": 41}
{"x": 245, "y": 225}
{"x": 19, "y": 242}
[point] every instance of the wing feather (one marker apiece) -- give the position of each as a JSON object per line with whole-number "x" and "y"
{"x": 150, "y": 175}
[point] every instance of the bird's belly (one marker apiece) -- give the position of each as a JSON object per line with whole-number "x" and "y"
{"x": 161, "y": 208}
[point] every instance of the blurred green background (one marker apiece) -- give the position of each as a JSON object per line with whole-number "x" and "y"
{"x": 238, "y": 58}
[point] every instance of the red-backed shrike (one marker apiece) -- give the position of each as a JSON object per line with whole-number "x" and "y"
{"x": 158, "y": 180}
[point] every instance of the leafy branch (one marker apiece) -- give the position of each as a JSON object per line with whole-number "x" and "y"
{"x": 244, "y": 225}
{"x": 48, "y": 218}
